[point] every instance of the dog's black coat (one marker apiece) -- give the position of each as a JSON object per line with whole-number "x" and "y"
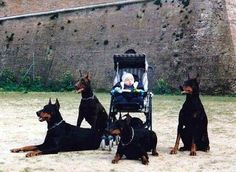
{"x": 134, "y": 122}
{"x": 90, "y": 108}
{"x": 134, "y": 142}
{"x": 144, "y": 141}
{"x": 192, "y": 126}
{"x": 62, "y": 136}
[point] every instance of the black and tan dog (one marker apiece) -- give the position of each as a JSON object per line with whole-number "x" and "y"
{"x": 90, "y": 108}
{"x": 134, "y": 143}
{"x": 62, "y": 136}
{"x": 192, "y": 126}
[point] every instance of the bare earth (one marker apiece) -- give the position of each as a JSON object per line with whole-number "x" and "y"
{"x": 19, "y": 126}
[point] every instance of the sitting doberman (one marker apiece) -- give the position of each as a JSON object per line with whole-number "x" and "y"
{"x": 62, "y": 136}
{"x": 134, "y": 143}
{"x": 192, "y": 126}
{"x": 90, "y": 108}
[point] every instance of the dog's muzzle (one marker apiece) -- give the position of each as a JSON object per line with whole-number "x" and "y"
{"x": 41, "y": 119}
{"x": 79, "y": 89}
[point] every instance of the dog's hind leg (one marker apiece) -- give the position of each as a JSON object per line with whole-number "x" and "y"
{"x": 154, "y": 144}
{"x": 186, "y": 137}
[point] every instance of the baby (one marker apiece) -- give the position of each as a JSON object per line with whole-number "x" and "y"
{"x": 128, "y": 85}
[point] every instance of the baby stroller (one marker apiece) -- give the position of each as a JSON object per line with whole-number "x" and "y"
{"x": 137, "y": 65}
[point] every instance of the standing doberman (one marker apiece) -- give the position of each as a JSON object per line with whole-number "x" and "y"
{"x": 62, "y": 136}
{"x": 192, "y": 126}
{"x": 90, "y": 108}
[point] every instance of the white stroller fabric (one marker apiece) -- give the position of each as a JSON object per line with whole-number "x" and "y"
{"x": 140, "y": 72}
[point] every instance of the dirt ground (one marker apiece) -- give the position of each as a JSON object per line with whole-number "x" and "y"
{"x": 19, "y": 126}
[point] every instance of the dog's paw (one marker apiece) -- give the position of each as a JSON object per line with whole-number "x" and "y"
{"x": 16, "y": 150}
{"x": 173, "y": 151}
{"x": 155, "y": 153}
{"x": 33, "y": 153}
{"x": 207, "y": 149}
{"x": 193, "y": 153}
{"x": 183, "y": 149}
{"x": 114, "y": 161}
{"x": 144, "y": 160}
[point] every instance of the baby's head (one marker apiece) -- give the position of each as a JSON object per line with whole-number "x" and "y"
{"x": 128, "y": 79}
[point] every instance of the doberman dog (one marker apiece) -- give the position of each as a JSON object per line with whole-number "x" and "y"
{"x": 62, "y": 136}
{"x": 134, "y": 143}
{"x": 90, "y": 108}
{"x": 192, "y": 126}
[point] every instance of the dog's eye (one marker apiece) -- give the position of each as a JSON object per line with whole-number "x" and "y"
{"x": 82, "y": 81}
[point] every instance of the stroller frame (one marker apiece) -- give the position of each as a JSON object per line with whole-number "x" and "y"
{"x": 138, "y": 66}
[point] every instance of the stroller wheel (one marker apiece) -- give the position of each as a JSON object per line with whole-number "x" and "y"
{"x": 103, "y": 144}
{"x": 117, "y": 140}
{"x": 110, "y": 144}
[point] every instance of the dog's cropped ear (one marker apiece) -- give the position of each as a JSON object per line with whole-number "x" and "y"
{"x": 57, "y": 104}
{"x": 50, "y": 102}
{"x": 80, "y": 74}
{"x": 88, "y": 76}
{"x": 198, "y": 78}
{"x": 128, "y": 119}
{"x": 188, "y": 76}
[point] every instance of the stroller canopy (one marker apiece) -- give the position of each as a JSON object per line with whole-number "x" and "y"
{"x": 129, "y": 61}
{"x": 132, "y": 63}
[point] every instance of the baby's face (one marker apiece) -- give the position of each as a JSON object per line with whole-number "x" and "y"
{"x": 129, "y": 81}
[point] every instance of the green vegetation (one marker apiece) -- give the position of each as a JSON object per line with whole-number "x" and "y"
{"x": 162, "y": 87}
{"x": 9, "y": 82}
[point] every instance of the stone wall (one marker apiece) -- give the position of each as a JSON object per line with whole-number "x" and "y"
{"x": 231, "y": 12}
{"x": 177, "y": 37}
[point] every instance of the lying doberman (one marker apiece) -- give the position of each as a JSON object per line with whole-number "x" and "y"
{"x": 134, "y": 143}
{"x": 62, "y": 136}
{"x": 192, "y": 126}
{"x": 90, "y": 108}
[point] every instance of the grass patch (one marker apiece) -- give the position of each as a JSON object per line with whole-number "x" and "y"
{"x": 10, "y": 82}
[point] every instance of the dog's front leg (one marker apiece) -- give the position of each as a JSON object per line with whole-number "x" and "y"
{"x": 116, "y": 158}
{"x": 176, "y": 147}
{"x": 144, "y": 157}
{"x": 25, "y": 149}
{"x": 41, "y": 152}
{"x": 80, "y": 118}
{"x": 34, "y": 153}
{"x": 193, "y": 148}
{"x": 179, "y": 130}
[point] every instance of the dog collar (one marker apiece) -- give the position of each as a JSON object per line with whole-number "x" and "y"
{"x": 92, "y": 97}
{"x": 55, "y": 125}
{"x": 132, "y": 137}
